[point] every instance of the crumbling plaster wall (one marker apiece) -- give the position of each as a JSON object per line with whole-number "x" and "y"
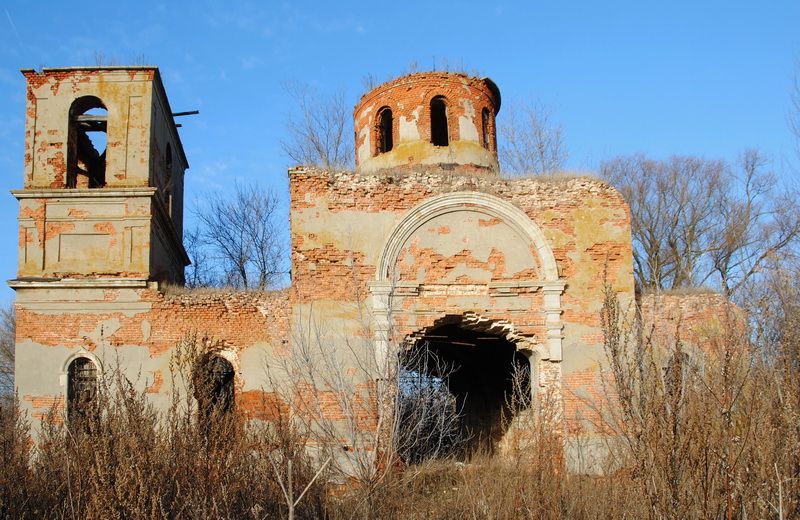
{"x": 81, "y": 233}
{"x": 137, "y": 330}
{"x": 466, "y": 261}
{"x": 127, "y": 94}
{"x": 409, "y": 99}
{"x": 125, "y": 229}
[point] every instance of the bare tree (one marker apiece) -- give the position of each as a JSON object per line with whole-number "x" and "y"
{"x": 239, "y": 240}
{"x": 428, "y": 420}
{"x": 320, "y": 133}
{"x": 696, "y": 221}
{"x": 200, "y": 272}
{"x": 532, "y": 141}
{"x": 7, "y": 345}
{"x": 753, "y": 225}
{"x": 672, "y": 207}
{"x": 794, "y": 108}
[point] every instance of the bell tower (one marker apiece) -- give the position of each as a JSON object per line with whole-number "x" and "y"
{"x": 102, "y": 197}
{"x": 429, "y": 119}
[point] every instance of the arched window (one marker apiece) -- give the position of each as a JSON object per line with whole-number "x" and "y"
{"x": 213, "y": 386}
{"x": 485, "y": 128}
{"x": 86, "y": 145}
{"x": 385, "y": 143}
{"x": 81, "y": 389}
{"x": 439, "y": 131}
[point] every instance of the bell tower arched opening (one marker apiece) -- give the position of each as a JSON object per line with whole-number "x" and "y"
{"x": 86, "y": 159}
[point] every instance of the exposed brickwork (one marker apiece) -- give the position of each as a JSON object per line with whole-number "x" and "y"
{"x": 410, "y": 96}
{"x": 265, "y": 406}
{"x": 584, "y": 401}
{"x": 45, "y": 407}
{"x": 585, "y": 222}
{"x": 240, "y": 319}
{"x": 468, "y": 100}
{"x": 378, "y": 256}
{"x": 691, "y": 319}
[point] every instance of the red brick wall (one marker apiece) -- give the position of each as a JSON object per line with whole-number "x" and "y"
{"x": 585, "y": 222}
{"x": 410, "y": 97}
{"x": 236, "y": 321}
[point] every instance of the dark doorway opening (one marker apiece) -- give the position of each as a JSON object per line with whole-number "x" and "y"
{"x": 481, "y": 377}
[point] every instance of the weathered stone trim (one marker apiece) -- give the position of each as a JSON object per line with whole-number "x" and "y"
{"x": 87, "y": 193}
{"x": 481, "y": 202}
{"x": 75, "y": 283}
{"x": 384, "y": 288}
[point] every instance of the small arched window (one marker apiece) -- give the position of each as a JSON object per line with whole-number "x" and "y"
{"x": 81, "y": 389}
{"x": 385, "y": 124}
{"x": 213, "y": 386}
{"x": 439, "y": 131}
{"x": 86, "y": 145}
{"x": 485, "y": 132}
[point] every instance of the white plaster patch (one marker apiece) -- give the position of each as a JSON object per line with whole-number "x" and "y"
{"x": 409, "y": 127}
{"x": 472, "y": 273}
{"x": 468, "y": 131}
{"x": 104, "y": 330}
{"x": 145, "y": 330}
{"x": 365, "y": 150}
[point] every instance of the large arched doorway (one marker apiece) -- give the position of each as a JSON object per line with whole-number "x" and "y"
{"x": 472, "y": 383}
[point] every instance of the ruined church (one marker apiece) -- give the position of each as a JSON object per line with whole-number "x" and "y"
{"x": 423, "y": 243}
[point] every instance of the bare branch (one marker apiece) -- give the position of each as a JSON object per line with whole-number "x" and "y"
{"x": 696, "y": 221}
{"x": 7, "y": 346}
{"x": 533, "y": 143}
{"x": 320, "y": 133}
{"x": 238, "y": 242}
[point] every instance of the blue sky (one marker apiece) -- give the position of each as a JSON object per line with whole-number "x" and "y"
{"x": 702, "y": 78}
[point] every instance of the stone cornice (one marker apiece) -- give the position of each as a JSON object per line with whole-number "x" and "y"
{"x": 77, "y": 283}
{"x": 78, "y": 193}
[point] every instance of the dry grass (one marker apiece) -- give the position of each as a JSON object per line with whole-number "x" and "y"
{"x": 713, "y": 439}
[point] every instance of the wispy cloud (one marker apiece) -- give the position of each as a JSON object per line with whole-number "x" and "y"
{"x": 348, "y": 24}
{"x": 14, "y": 28}
{"x": 250, "y": 62}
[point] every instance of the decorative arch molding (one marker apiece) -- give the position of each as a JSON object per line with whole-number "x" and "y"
{"x": 82, "y": 353}
{"x": 222, "y": 349}
{"x": 383, "y": 287}
{"x": 475, "y": 201}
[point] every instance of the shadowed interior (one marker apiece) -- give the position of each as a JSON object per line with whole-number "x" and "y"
{"x": 489, "y": 379}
